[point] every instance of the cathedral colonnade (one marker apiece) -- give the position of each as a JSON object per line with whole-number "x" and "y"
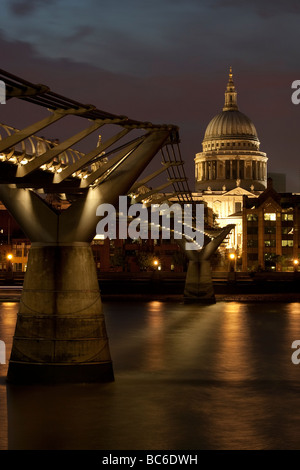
{"x": 231, "y": 169}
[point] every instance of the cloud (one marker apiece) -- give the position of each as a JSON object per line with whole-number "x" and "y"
{"x": 27, "y": 7}
{"x": 80, "y": 33}
{"x": 149, "y": 38}
{"x": 266, "y": 9}
{"x": 186, "y": 96}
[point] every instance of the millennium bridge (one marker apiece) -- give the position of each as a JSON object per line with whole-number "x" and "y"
{"x": 60, "y": 334}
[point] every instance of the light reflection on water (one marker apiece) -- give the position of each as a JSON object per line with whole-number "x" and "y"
{"x": 187, "y": 377}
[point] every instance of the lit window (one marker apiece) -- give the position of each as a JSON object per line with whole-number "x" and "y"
{"x": 270, "y": 216}
{"x": 270, "y": 243}
{"x": 99, "y": 236}
{"x": 287, "y": 217}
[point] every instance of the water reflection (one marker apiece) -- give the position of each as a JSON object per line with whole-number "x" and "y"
{"x": 155, "y": 357}
{"x": 187, "y": 377}
{"x": 233, "y": 352}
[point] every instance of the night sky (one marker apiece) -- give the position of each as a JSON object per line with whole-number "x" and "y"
{"x": 165, "y": 61}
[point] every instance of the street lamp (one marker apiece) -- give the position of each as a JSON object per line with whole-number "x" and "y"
{"x": 296, "y": 263}
{"x": 231, "y": 271}
{"x": 9, "y": 270}
{"x": 232, "y": 261}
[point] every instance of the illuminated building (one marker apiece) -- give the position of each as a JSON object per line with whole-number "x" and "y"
{"x": 230, "y": 165}
{"x": 271, "y": 231}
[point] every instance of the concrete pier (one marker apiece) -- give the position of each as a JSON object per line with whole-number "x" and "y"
{"x": 198, "y": 284}
{"x": 60, "y": 333}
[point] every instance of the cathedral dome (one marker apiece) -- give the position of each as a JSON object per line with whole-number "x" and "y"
{"x": 230, "y": 124}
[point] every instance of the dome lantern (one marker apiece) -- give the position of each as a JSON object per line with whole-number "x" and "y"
{"x": 230, "y": 94}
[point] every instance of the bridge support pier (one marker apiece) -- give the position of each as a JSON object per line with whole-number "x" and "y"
{"x": 60, "y": 333}
{"x": 199, "y": 285}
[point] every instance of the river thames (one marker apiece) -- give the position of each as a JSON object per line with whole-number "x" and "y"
{"x": 214, "y": 377}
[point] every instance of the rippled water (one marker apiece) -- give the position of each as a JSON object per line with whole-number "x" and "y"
{"x": 186, "y": 377}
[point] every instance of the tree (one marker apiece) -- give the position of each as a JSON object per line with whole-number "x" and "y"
{"x": 179, "y": 258}
{"x": 118, "y": 258}
{"x": 145, "y": 260}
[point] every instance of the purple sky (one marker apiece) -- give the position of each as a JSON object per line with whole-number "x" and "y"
{"x": 165, "y": 61}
